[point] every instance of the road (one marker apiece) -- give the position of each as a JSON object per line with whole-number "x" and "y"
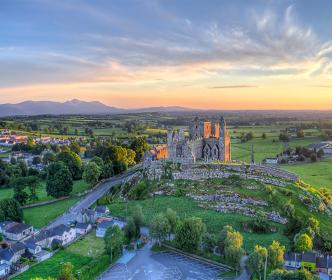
{"x": 90, "y": 198}
{"x": 146, "y": 265}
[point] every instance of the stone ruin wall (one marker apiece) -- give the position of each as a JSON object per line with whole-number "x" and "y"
{"x": 192, "y": 171}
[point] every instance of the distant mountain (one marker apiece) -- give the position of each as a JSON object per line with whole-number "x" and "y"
{"x": 73, "y": 107}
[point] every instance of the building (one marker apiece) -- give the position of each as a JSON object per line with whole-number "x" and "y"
{"x": 102, "y": 228}
{"x": 16, "y": 231}
{"x": 208, "y": 141}
{"x": 102, "y": 211}
{"x": 86, "y": 216}
{"x": 61, "y": 235}
{"x": 83, "y": 228}
{"x": 4, "y": 269}
{"x": 292, "y": 260}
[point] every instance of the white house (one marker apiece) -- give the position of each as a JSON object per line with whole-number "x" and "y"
{"x": 292, "y": 260}
{"x": 83, "y": 228}
{"x": 61, "y": 235}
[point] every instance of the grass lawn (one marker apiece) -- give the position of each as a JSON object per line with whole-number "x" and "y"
{"x": 89, "y": 246}
{"x": 318, "y": 174}
{"x": 264, "y": 148}
{"x": 185, "y": 207}
{"x": 50, "y": 267}
{"x": 78, "y": 187}
{"x": 42, "y": 215}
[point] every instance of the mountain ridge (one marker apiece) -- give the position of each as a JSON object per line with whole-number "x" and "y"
{"x": 73, "y": 107}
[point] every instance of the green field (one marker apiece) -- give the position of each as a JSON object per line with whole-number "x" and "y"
{"x": 185, "y": 207}
{"x": 264, "y": 148}
{"x": 50, "y": 267}
{"x": 318, "y": 174}
{"x": 78, "y": 187}
{"x": 89, "y": 246}
{"x": 42, "y": 215}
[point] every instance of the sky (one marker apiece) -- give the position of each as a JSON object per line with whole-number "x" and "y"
{"x": 213, "y": 54}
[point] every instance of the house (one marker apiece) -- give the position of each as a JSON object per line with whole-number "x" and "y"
{"x": 83, "y": 228}
{"x": 292, "y": 260}
{"x": 33, "y": 248}
{"x": 309, "y": 261}
{"x": 102, "y": 228}
{"x": 17, "y": 231}
{"x": 7, "y": 256}
{"x": 61, "y": 235}
{"x": 41, "y": 239}
{"x": 86, "y": 216}
{"x": 4, "y": 269}
{"x": 18, "y": 250}
{"x": 102, "y": 211}
{"x": 321, "y": 264}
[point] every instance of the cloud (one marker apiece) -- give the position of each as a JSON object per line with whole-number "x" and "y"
{"x": 233, "y": 86}
{"x": 267, "y": 44}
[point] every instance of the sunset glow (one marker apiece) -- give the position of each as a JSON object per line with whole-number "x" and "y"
{"x": 217, "y": 55}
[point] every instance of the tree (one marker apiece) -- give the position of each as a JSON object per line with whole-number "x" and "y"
{"x": 98, "y": 160}
{"x": 49, "y": 158}
{"x": 159, "y": 228}
{"x": 303, "y": 243}
{"x": 36, "y": 160}
{"x": 233, "y": 248}
{"x": 222, "y": 238}
{"x": 91, "y": 173}
{"x": 107, "y": 170}
{"x": 130, "y": 229}
{"x": 276, "y": 255}
{"x": 209, "y": 242}
{"x": 113, "y": 242}
{"x": 313, "y": 157}
{"x": 289, "y": 209}
{"x": 11, "y": 210}
{"x": 172, "y": 218}
{"x": 314, "y": 225}
{"x": 264, "y": 135}
{"x": 300, "y": 133}
{"x": 140, "y": 146}
{"x": 66, "y": 272}
{"x": 138, "y": 218}
{"x": 75, "y": 147}
{"x": 73, "y": 162}
{"x": 59, "y": 180}
{"x": 189, "y": 234}
{"x": 21, "y": 184}
{"x": 256, "y": 261}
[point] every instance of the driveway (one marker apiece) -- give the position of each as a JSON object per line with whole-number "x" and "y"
{"x": 146, "y": 265}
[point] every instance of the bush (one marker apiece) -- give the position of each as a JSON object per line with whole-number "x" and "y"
{"x": 179, "y": 192}
{"x": 140, "y": 191}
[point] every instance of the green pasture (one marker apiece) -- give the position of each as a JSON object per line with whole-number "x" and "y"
{"x": 318, "y": 174}
{"x": 78, "y": 187}
{"x": 40, "y": 216}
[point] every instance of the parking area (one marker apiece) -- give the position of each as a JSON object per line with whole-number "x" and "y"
{"x": 146, "y": 265}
